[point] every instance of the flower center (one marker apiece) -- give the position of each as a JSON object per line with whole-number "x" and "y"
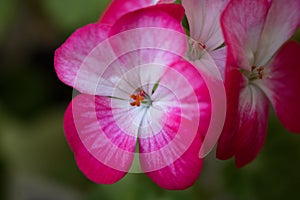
{"x": 196, "y": 49}
{"x": 255, "y": 73}
{"x": 141, "y": 97}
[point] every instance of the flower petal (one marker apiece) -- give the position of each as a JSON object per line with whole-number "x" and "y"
{"x": 219, "y": 57}
{"x": 215, "y": 84}
{"x": 118, "y": 8}
{"x": 204, "y": 21}
{"x": 86, "y": 65}
{"x": 253, "y": 121}
{"x": 242, "y": 24}
{"x": 168, "y": 16}
{"x": 147, "y": 36}
{"x": 169, "y": 155}
{"x": 282, "y": 22}
{"x": 234, "y": 82}
{"x": 166, "y": 1}
{"x": 282, "y": 85}
{"x": 103, "y": 152}
{"x": 69, "y": 60}
{"x": 182, "y": 173}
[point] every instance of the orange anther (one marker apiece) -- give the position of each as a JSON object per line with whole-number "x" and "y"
{"x": 133, "y": 97}
{"x": 138, "y": 98}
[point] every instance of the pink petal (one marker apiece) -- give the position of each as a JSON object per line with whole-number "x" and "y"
{"x": 168, "y": 16}
{"x": 242, "y": 24}
{"x": 98, "y": 69}
{"x": 219, "y": 57}
{"x": 182, "y": 173}
{"x": 69, "y": 60}
{"x": 103, "y": 152}
{"x": 166, "y": 1}
{"x": 152, "y": 33}
{"x": 234, "y": 82}
{"x": 253, "y": 121}
{"x": 282, "y": 22}
{"x": 204, "y": 21}
{"x": 169, "y": 155}
{"x": 215, "y": 84}
{"x": 118, "y": 8}
{"x": 282, "y": 85}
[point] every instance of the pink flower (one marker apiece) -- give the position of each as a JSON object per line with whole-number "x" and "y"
{"x": 205, "y": 31}
{"x": 135, "y": 89}
{"x": 118, "y": 8}
{"x": 259, "y": 72}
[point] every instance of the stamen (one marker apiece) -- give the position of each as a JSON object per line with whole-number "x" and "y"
{"x": 256, "y": 73}
{"x": 196, "y": 49}
{"x": 138, "y": 98}
{"x": 260, "y": 71}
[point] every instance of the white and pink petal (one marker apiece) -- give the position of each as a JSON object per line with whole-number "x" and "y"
{"x": 181, "y": 173}
{"x": 282, "y": 22}
{"x": 170, "y": 155}
{"x": 219, "y": 56}
{"x": 157, "y": 27}
{"x": 253, "y": 122}
{"x": 242, "y": 24}
{"x": 96, "y": 149}
{"x": 71, "y": 64}
{"x": 281, "y": 85}
{"x": 204, "y": 21}
{"x": 118, "y": 8}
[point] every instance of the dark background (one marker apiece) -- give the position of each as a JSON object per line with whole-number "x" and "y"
{"x": 35, "y": 160}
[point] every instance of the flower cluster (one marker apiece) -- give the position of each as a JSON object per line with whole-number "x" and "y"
{"x": 151, "y": 98}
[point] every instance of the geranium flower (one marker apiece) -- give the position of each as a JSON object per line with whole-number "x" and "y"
{"x": 136, "y": 91}
{"x": 205, "y": 31}
{"x": 118, "y": 8}
{"x": 259, "y": 72}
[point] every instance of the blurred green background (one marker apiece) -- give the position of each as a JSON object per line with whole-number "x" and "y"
{"x": 35, "y": 160}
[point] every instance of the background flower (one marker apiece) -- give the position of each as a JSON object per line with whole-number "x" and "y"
{"x": 205, "y": 30}
{"x": 258, "y": 71}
